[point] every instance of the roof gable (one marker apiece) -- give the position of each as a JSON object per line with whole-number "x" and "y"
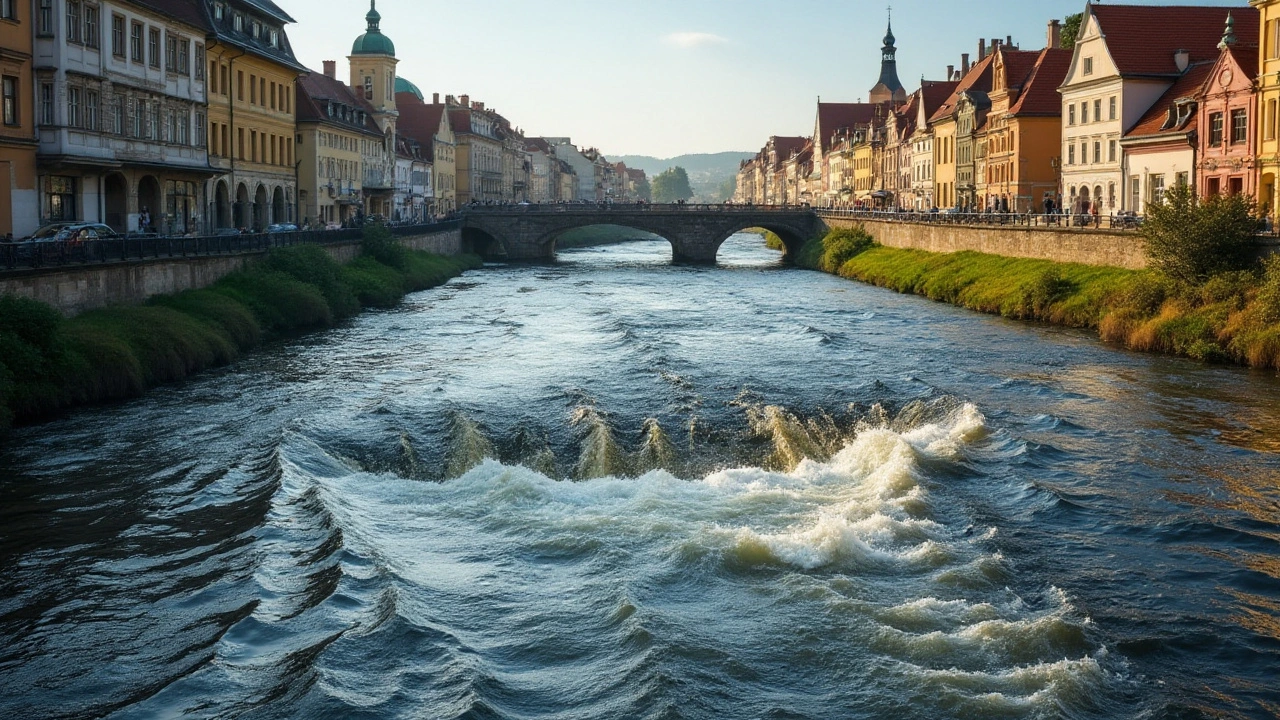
{"x": 1040, "y": 91}
{"x": 1142, "y": 40}
{"x": 1158, "y": 121}
{"x": 977, "y": 81}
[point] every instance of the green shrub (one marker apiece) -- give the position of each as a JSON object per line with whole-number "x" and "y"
{"x": 1191, "y": 239}
{"x": 1045, "y": 288}
{"x": 425, "y": 270}
{"x": 234, "y": 319}
{"x": 830, "y": 252}
{"x": 1147, "y": 293}
{"x": 312, "y": 265}
{"x": 1269, "y": 290}
{"x": 168, "y": 344}
{"x": 33, "y": 322}
{"x": 376, "y": 285}
{"x": 280, "y": 302}
{"x": 379, "y": 244}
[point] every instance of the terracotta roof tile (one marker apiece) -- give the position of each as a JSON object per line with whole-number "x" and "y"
{"x": 1142, "y": 39}
{"x": 978, "y": 80}
{"x": 1040, "y": 91}
{"x": 419, "y": 121}
{"x": 1190, "y": 85}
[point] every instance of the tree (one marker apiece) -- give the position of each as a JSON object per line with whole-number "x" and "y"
{"x": 672, "y": 185}
{"x": 643, "y": 189}
{"x": 1190, "y": 239}
{"x": 1071, "y": 30}
{"x": 728, "y": 188}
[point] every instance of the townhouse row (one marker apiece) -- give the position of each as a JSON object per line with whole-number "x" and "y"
{"x": 189, "y": 116}
{"x": 1145, "y": 98}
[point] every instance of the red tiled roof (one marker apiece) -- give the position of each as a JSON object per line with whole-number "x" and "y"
{"x": 978, "y": 80}
{"x": 1190, "y": 85}
{"x": 1142, "y": 39}
{"x": 1247, "y": 58}
{"x": 833, "y": 117}
{"x": 935, "y": 92}
{"x": 419, "y": 121}
{"x": 785, "y": 146}
{"x": 1040, "y": 91}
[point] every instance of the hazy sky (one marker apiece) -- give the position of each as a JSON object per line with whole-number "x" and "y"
{"x": 667, "y": 77}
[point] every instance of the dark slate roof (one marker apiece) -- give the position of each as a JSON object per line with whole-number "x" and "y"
{"x": 224, "y": 32}
{"x": 1142, "y": 39}
{"x": 313, "y": 94}
{"x": 190, "y": 12}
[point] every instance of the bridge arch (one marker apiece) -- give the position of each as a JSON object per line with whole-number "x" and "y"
{"x": 695, "y": 232}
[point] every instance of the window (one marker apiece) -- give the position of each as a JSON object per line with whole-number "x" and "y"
{"x": 1088, "y": 66}
{"x": 239, "y": 23}
{"x": 1111, "y": 195}
{"x": 153, "y": 47}
{"x": 1111, "y": 151}
{"x": 73, "y": 107}
{"x": 135, "y": 42}
{"x": 73, "y": 21}
{"x": 1084, "y": 153}
{"x": 275, "y": 38}
{"x": 199, "y": 64}
{"x": 257, "y": 30}
{"x": 184, "y": 57}
{"x": 200, "y": 129}
{"x": 1239, "y": 127}
{"x": 46, "y": 104}
{"x": 273, "y": 96}
{"x": 253, "y": 89}
{"x": 117, "y": 35}
{"x": 140, "y": 119}
{"x": 1269, "y": 120}
{"x": 1071, "y": 154}
{"x": 1097, "y": 110}
{"x": 1155, "y": 188}
{"x": 1183, "y": 179}
{"x": 218, "y": 11}
{"x": 1135, "y": 193}
{"x": 1213, "y": 187}
{"x": 10, "y": 87}
{"x": 1084, "y": 113}
{"x": 91, "y": 100}
{"x": 153, "y": 122}
{"x": 117, "y": 111}
{"x": 91, "y": 26}
{"x": 46, "y": 17}
{"x": 1071, "y": 114}
{"x": 240, "y": 85}
{"x": 1215, "y": 129}
{"x": 1097, "y": 152}
{"x": 171, "y": 53}
{"x": 1112, "y": 103}
{"x": 9, "y": 9}
{"x": 59, "y": 198}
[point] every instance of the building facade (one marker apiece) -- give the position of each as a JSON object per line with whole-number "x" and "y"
{"x": 20, "y": 210}
{"x": 1227, "y": 162}
{"x": 333, "y": 126}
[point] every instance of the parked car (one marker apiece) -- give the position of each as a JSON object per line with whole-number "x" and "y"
{"x": 72, "y": 232}
{"x": 282, "y": 228}
{"x": 333, "y": 226}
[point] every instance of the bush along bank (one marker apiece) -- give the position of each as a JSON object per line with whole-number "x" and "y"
{"x": 1228, "y": 315}
{"x": 49, "y": 363}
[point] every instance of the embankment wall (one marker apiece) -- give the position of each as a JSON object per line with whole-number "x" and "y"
{"x": 1088, "y": 247}
{"x": 76, "y": 289}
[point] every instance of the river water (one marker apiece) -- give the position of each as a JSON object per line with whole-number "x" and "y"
{"x": 617, "y": 488}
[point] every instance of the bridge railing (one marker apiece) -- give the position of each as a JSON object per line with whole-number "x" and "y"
{"x": 628, "y": 208}
{"x": 31, "y": 254}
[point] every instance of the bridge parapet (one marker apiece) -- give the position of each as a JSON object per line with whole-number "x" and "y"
{"x": 529, "y": 232}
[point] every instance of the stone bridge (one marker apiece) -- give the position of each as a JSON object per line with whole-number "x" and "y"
{"x": 529, "y": 232}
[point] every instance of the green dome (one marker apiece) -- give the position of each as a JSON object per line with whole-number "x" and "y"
{"x": 373, "y": 42}
{"x": 403, "y": 85}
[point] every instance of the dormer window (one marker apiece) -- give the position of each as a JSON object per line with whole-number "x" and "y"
{"x": 275, "y": 38}
{"x": 218, "y": 12}
{"x": 239, "y": 23}
{"x": 1088, "y": 66}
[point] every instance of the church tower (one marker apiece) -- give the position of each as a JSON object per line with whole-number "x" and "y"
{"x": 373, "y": 71}
{"x": 889, "y": 89}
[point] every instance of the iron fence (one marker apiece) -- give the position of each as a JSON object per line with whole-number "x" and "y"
{"x": 61, "y": 253}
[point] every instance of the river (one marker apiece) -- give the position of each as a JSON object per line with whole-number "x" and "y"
{"x": 616, "y": 488}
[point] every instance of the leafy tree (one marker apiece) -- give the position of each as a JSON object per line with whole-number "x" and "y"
{"x": 1190, "y": 239}
{"x": 643, "y": 189}
{"x": 672, "y": 185}
{"x": 1071, "y": 30}
{"x": 728, "y": 188}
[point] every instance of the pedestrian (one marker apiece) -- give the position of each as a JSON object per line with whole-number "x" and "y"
{"x": 144, "y": 219}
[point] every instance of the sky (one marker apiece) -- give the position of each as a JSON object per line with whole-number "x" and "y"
{"x": 667, "y": 77}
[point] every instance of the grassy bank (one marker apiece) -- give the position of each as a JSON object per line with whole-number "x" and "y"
{"x": 49, "y": 363}
{"x": 1229, "y": 317}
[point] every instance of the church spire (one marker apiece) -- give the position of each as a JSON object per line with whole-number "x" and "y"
{"x": 889, "y": 89}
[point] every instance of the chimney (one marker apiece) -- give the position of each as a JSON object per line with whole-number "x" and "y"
{"x": 331, "y": 69}
{"x": 1008, "y": 41}
{"x": 465, "y": 101}
{"x": 1054, "y": 41}
{"x": 982, "y": 49}
{"x": 964, "y": 63}
{"x": 435, "y": 98}
{"x": 1182, "y": 59}
{"x": 951, "y": 71}
{"x": 478, "y": 105}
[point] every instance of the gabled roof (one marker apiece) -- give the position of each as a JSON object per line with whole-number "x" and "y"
{"x": 1040, "y": 91}
{"x": 538, "y": 144}
{"x": 1246, "y": 56}
{"x": 315, "y": 91}
{"x": 419, "y": 121}
{"x": 833, "y": 117}
{"x": 1142, "y": 39}
{"x": 1156, "y": 121}
{"x": 978, "y": 81}
{"x": 786, "y": 146}
{"x": 225, "y": 33}
{"x": 1018, "y": 65}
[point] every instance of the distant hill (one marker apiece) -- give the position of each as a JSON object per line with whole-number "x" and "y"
{"x": 707, "y": 172}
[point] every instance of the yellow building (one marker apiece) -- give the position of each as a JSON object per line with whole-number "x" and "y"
{"x": 1268, "y": 106}
{"x": 333, "y": 125}
{"x": 864, "y": 173}
{"x": 251, "y": 95}
{"x": 19, "y": 202}
{"x": 945, "y": 126}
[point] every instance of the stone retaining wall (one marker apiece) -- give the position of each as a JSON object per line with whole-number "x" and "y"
{"x": 1088, "y": 247}
{"x": 75, "y": 289}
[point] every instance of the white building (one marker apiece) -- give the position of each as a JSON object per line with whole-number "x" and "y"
{"x": 122, "y": 113}
{"x": 583, "y": 166}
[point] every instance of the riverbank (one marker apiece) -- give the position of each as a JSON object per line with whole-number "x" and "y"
{"x": 49, "y": 363}
{"x": 1232, "y": 317}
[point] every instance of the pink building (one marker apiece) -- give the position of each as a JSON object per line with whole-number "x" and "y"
{"x": 1228, "y": 152}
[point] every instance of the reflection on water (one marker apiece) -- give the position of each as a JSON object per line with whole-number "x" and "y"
{"x": 615, "y": 487}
